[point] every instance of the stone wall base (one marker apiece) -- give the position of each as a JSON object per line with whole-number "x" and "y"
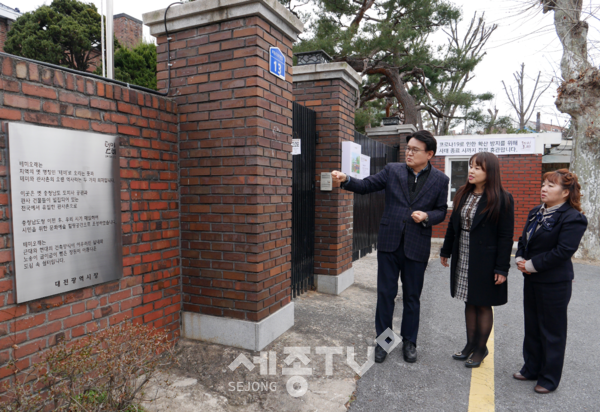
{"x": 334, "y": 285}
{"x": 238, "y": 333}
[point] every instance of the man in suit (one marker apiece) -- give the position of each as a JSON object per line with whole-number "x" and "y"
{"x": 416, "y": 199}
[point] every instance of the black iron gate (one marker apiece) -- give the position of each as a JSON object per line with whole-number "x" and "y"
{"x": 303, "y": 200}
{"x": 368, "y": 209}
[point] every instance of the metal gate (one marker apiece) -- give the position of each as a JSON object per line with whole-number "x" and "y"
{"x": 303, "y": 200}
{"x": 368, "y": 209}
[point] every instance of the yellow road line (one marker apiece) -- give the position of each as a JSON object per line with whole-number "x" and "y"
{"x": 481, "y": 395}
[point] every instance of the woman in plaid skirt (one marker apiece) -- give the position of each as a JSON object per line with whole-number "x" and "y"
{"x": 480, "y": 239}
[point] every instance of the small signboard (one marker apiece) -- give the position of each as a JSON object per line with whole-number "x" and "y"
{"x": 391, "y": 121}
{"x": 326, "y": 182}
{"x": 296, "y": 148}
{"x": 276, "y": 62}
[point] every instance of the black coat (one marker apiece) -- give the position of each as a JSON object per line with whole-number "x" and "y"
{"x": 551, "y": 248}
{"x": 490, "y": 246}
{"x": 396, "y": 220}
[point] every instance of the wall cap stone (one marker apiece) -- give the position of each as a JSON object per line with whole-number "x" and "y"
{"x": 391, "y": 130}
{"x": 327, "y": 71}
{"x": 201, "y": 13}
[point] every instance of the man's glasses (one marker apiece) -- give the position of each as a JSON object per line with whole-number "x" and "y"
{"x": 413, "y": 150}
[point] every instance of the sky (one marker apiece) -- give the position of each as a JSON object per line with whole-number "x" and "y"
{"x": 524, "y": 35}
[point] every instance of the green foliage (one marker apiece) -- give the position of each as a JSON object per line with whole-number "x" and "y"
{"x": 66, "y": 33}
{"x": 370, "y": 113}
{"x": 99, "y": 399}
{"x": 103, "y": 371}
{"x": 488, "y": 122}
{"x": 136, "y": 66}
{"x": 398, "y": 38}
{"x": 384, "y": 39}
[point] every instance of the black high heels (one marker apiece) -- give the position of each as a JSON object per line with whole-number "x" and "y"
{"x": 470, "y": 363}
{"x": 463, "y": 356}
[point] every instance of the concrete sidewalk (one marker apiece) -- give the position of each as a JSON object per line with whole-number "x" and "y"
{"x": 203, "y": 381}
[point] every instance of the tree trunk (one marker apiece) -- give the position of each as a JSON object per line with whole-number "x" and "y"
{"x": 409, "y": 107}
{"x": 579, "y": 96}
{"x": 581, "y": 99}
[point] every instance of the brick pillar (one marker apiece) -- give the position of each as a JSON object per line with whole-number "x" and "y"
{"x": 331, "y": 89}
{"x": 236, "y": 166}
{"x": 392, "y": 136}
{"x": 128, "y": 30}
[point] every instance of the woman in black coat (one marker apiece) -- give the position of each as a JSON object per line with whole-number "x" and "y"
{"x": 550, "y": 238}
{"x": 479, "y": 239}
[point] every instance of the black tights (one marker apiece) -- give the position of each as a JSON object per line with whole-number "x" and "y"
{"x": 479, "y": 320}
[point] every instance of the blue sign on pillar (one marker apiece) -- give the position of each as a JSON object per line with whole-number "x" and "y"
{"x": 277, "y": 62}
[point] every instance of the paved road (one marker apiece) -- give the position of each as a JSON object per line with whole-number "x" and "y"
{"x": 438, "y": 383}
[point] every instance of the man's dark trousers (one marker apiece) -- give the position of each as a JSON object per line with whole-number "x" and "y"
{"x": 403, "y": 245}
{"x": 392, "y": 265}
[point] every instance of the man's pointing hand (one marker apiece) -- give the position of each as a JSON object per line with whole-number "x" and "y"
{"x": 338, "y": 177}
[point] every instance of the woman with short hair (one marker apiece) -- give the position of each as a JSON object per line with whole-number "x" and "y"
{"x": 479, "y": 239}
{"x": 550, "y": 238}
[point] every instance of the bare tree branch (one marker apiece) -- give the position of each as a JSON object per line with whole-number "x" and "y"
{"x": 523, "y": 111}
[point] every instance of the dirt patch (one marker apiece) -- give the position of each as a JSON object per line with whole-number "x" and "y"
{"x": 203, "y": 380}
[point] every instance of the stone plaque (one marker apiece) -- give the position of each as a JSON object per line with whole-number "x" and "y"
{"x": 66, "y": 209}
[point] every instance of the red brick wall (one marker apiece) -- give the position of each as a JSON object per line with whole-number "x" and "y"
{"x": 236, "y": 167}
{"x": 521, "y": 176}
{"x": 128, "y": 31}
{"x": 4, "y": 28}
{"x": 149, "y": 291}
{"x": 333, "y": 100}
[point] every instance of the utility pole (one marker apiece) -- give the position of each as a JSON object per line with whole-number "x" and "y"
{"x": 110, "y": 32}
{"x": 102, "y": 47}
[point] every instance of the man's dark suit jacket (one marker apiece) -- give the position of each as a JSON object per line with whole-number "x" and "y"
{"x": 551, "y": 248}
{"x": 431, "y": 199}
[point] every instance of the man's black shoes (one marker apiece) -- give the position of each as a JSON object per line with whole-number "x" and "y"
{"x": 409, "y": 350}
{"x": 380, "y": 354}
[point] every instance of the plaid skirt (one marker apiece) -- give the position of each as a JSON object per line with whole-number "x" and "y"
{"x": 461, "y": 284}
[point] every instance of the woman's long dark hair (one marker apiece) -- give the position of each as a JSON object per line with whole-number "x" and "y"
{"x": 495, "y": 193}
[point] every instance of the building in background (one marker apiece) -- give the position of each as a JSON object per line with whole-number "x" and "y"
{"x": 128, "y": 30}
{"x": 523, "y": 158}
{"x": 7, "y": 17}
{"x": 545, "y": 127}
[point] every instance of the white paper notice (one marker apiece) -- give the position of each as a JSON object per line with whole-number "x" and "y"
{"x": 351, "y": 159}
{"x": 296, "y": 149}
{"x": 498, "y": 145}
{"x": 365, "y": 166}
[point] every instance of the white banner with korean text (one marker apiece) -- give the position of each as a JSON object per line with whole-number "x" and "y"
{"x": 454, "y": 146}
